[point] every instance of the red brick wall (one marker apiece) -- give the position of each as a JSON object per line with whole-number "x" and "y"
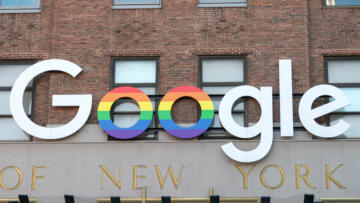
{"x": 89, "y": 33}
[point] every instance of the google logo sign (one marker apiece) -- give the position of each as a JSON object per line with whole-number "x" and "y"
{"x": 146, "y": 112}
{"x": 263, "y": 96}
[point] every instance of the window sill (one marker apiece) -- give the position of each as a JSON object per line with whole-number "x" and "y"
{"x": 355, "y": 6}
{"x": 35, "y": 10}
{"x": 136, "y": 6}
{"x": 244, "y": 5}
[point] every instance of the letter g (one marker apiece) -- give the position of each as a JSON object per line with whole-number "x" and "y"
{"x": 17, "y": 93}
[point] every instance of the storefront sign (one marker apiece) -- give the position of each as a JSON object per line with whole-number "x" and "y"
{"x": 263, "y": 96}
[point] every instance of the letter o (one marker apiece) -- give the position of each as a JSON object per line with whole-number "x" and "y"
{"x": 207, "y": 112}
{"x": 282, "y": 172}
{"x": 19, "y": 181}
{"x": 104, "y": 112}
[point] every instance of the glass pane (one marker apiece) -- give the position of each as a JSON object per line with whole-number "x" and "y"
{"x": 20, "y": 3}
{"x": 137, "y": 1}
{"x": 216, "y": 100}
{"x": 27, "y": 102}
{"x": 9, "y": 73}
{"x": 128, "y": 120}
{"x": 353, "y": 95}
{"x": 125, "y": 120}
{"x": 230, "y": 70}
{"x": 211, "y": 90}
{"x": 5, "y": 106}
{"x": 148, "y": 90}
{"x": 4, "y": 103}
{"x": 344, "y": 71}
{"x": 238, "y": 117}
{"x": 12, "y": 131}
{"x": 353, "y": 120}
{"x": 129, "y": 105}
{"x": 135, "y": 72}
{"x": 222, "y": 1}
{"x": 342, "y": 2}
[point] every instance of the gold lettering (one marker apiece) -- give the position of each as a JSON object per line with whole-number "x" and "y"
{"x": 304, "y": 177}
{"x": 245, "y": 175}
{"x": 19, "y": 181}
{"x": 135, "y": 176}
{"x": 170, "y": 170}
{"x": 116, "y": 182}
{"x": 34, "y": 176}
{"x": 262, "y": 179}
{"x": 329, "y": 176}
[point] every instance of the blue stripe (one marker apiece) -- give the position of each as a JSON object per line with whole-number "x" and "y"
{"x": 108, "y": 125}
{"x": 171, "y": 125}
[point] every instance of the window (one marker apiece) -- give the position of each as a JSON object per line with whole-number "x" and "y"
{"x": 133, "y": 4}
{"x": 20, "y": 6}
{"x": 218, "y": 76}
{"x": 142, "y": 74}
{"x": 344, "y": 73}
{"x": 222, "y": 3}
{"x": 8, "y": 74}
{"x": 342, "y": 3}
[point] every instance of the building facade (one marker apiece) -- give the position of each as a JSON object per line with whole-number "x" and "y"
{"x": 156, "y": 46}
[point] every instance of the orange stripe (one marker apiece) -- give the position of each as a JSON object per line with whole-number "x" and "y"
{"x": 111, "y": 97}
{"x": 175, "y": 95}
{"x": 125, "y": 90}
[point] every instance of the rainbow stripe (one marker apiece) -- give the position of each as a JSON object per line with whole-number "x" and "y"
{"x": 207, "y": 112}
{"x": 104, "y": 115}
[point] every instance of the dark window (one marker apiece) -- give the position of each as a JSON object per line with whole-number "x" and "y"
{"x": 142, "y": 74}
{"x": 342, "y": 2}
{"x": 217, "y": 76}
{"x": 20, "y": 6}
{"x": 222, "y": 3}
{"x": 344, "y": 74}
{"x": 9, "y": 72}
{"x": 133, "y": 4}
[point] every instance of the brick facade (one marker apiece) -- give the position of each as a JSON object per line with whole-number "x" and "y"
{"x": 89, "y": 33}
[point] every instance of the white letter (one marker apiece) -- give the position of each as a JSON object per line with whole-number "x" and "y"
{"x": 264, "y": 126}
{"x": 17, "y": 108}
{"x": 286, "y": 100}
{"x": 307, "y": 115}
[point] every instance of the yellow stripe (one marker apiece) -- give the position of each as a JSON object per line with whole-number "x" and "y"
{"x": 206, "y": 105}
{"x": 165, "y": 106}
{"x": 105, "y": 106}
{"x": 145, "y": 106}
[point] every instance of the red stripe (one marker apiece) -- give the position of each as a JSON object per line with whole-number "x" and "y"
{"x": 126, "y": 90}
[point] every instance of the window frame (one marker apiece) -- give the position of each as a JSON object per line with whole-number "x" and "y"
{"x": 338, "y": 6}
{"x": 220, "y": 3}
{"x": 21, "y": 9}
{"x": 31, "y": 89}
{"x": 339, "y": 85}
{"x": 141, "y": 5}
{"x": 215, "y": 130}
{"x": 156, "y": 96}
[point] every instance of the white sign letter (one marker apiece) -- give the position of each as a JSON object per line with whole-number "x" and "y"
{"x": 308, "y": 115}
{"x": 16, "y": 101}
{"x": 264, "y": 126}
{"x": 286, "y": 100}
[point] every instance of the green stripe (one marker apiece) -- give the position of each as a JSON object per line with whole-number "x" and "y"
{"x": 207, "y": 114}
{"x": 103, "y": 115}
{"x": 165, "y": 115}
{"x": 146, "y": 115}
